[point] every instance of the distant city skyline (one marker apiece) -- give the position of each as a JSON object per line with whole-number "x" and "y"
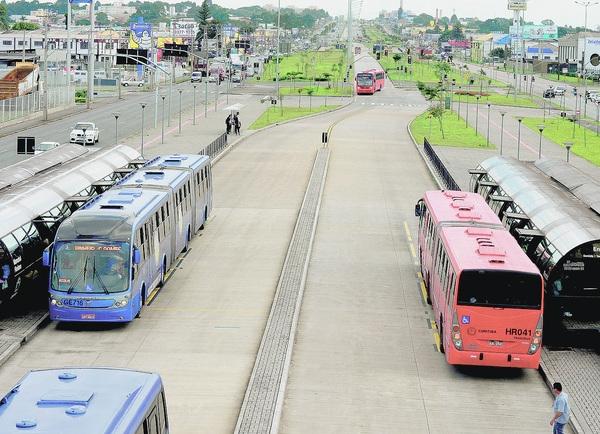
{"x": 563, "y": 12}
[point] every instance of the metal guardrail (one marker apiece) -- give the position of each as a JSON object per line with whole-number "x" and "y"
{"x": 449, "y": 182}
{"x": 216, "y": 146}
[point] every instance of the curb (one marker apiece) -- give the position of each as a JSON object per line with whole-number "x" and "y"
{"x": 544, "y": 371}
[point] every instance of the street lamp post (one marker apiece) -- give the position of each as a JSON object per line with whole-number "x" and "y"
{"x": 544, "y": 108}
{"x": 488, "y": 124}
{"x": 143, "y": 105}
{"x": 467, "y": 116}
{"x": 194, "y": 104}
{"x": 585, "y": 5}
{"x": 116, "y": 115}
{"x": 477, "y": 117}
{"x": 278, "y": 51}
{"x": 520, "y": 119}
{"x": 459, "y": 88}
{"x": 568, "y": 146}
{"x": 541, "y": 130}
{"x": 502, "y": 131}
{"x": 162, "y": 127}
{"x": 180, "y": 91}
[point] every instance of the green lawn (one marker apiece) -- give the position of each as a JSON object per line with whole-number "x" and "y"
{"x": 423, "y": 70}
{"x": 273, "y": 115}
{"x": 375, "y": 35}
{"x": 496, "y": 98}
{"x": 309, "y": 65}
{"x": 455, "y": 132}
{"x": 586, "y": 143}
{"x": 569, "y": 80}
{"x": 321, "y": 90}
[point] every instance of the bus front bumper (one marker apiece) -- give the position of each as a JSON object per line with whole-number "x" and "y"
{"x": 503, "y": 360}
{"x": 123, "y": 314}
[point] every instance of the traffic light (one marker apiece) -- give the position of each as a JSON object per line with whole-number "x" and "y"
{"x": 378, "y": 56}
{"x": 410, "y": 60}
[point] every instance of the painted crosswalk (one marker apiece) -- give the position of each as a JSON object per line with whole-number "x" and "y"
{"x": 383, "y": 104}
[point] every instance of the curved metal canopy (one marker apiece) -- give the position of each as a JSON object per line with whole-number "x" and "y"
{"x": 24, "y": 202}
{"x": 566, "y": 221}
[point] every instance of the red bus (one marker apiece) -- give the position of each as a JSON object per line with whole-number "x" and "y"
{"x": 365, "y": 83}
{"x": 379, "y": 79}
{"x": 486, "y": 295}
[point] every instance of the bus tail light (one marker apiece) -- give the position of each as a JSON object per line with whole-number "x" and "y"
{"x": 456, "y": 337}
{"x": 536, "y": 340}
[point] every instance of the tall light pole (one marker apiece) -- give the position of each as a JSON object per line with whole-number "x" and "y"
{"x": 502, "y": 131}
{"x": 46, "y": 24}
{"x": 278, "y": 51}
{"x": 349, "y": 31}
{"x": 23, "y": 21}
{"x": 488, "y": 124}
{"x": 90, "y": 78}
{"x": 477, "y": 117}
{"x": 143, "y": 105}
{"x": 194, "y": 105}
{"x": 541, "y": 130}
{"x": 520, "y": 119}
{"x": 585, "y": 5}
{"x": 116, "y": 115}
{"x": 180, "y": 92}
{"x": 162, "y": 127}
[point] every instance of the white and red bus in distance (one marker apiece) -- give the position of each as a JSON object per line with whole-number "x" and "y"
{"x": 365, "y": 83}
{"x": 486, "y": 294}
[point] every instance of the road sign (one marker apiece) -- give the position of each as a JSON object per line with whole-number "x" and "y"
{"x": 25, "y": 145}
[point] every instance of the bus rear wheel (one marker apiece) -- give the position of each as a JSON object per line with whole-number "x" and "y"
{"x": 142, "y": 300}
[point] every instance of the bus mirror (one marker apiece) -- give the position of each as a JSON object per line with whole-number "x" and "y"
{"x": 418, "y": 210}
{"x": 137, "y": 257}
{"x": 46, "y": 257}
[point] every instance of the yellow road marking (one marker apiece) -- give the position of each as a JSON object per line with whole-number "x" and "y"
{"x": 152, "y": 295}
{"x": 436, "y": 335}
{"x": 407, "y": 230}
{"x": 423, "y": 290}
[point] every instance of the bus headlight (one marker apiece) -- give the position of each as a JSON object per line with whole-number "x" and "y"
{"x": 533, "y": 348}
{"x": 56, "y": 302}
{"x": 122, "y": 302}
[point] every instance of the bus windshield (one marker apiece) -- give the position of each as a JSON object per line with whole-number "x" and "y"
{"x": 500, "y": 289}
{"x": 91, "y": 267}
{"x": 364, "y": 79}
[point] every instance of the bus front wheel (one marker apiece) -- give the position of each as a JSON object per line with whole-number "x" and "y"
{"x": 442, "y": 350}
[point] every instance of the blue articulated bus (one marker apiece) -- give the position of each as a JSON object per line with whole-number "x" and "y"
{"x": 109, "y": 256}
{"x": 85, "y": 400}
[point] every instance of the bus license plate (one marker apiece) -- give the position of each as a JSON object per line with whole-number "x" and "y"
{"x": 496, "y": 343}
{"x": 74, "y": 302}
{"x": 88, "y": 316}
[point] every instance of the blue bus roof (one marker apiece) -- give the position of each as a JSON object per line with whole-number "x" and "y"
{"x": 77, "y": 401}
{"x": 190, "y": 161}
{"x": 127, "y": 200}
{"x": 155, "y": 177}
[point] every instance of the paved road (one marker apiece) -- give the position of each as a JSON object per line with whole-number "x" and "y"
{"x": 129, "y": 121}
{"x": 364, "y": 360}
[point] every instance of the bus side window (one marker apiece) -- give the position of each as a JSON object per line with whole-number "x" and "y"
{"x": 151, "y": 423}
{"x": 450, "y": 299}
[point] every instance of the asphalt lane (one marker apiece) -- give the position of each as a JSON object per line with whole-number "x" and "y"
{"x": 129, "y": 123}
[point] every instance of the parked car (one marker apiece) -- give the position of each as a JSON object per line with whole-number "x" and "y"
{"x": 85, "y": 133}
{"x": 196, "y": 77}
{"x": 549, "y": 93}
{"x": 132, "y": 82}
{"x": 236, "y": 78}
{"x": 42, "y": 147}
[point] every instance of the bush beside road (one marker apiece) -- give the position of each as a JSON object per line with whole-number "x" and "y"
{"x": 309, "y": 65}
{"x": 317, "y": 90}
{"x": 496, "y": 98}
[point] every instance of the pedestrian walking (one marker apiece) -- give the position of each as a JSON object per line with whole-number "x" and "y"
{"x": 228, "y": 123}
{"x": 561, "y": 409}
{"x": 237, "y": 123}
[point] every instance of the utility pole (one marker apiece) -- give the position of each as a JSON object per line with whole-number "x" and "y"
{"x": 23, "y": 22}
{"x": 172, "y": 75}
{"x": 46, "y": 24}
{"x": 69, "y": 49}
{"x": 278, "y": 51}
{"x": 91, "y": 54}
{"x": 585, "y": 5}
{"x": 349, "y": 31}
{"x": 205, "y": 43}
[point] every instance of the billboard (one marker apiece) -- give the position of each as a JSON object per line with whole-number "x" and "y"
{"x": 517, "y": 5}
{"x": 534, "y": 32}
{"x": 140, "y": 36}
{"x": 184, "y": 29}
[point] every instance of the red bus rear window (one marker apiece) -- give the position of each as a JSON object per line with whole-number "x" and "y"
{"x": 500, "y": 289}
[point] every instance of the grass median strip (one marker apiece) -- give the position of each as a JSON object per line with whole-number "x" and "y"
{"x": 308, "y": 65}
{"x": 274, "y": 115}
{"x": 455, "y": 132}
{"x": 586, "y": 143}
{"x": 496, "y": 98}
{"x": 322, "y": 90}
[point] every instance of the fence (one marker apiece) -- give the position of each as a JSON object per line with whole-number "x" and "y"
{"x": 26, "y": 105}
{"x": 216, "y": 147}
{"x": 439, "y": 167}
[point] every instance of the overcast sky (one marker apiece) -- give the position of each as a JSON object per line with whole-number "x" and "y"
{"x": 561, "y": 11}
